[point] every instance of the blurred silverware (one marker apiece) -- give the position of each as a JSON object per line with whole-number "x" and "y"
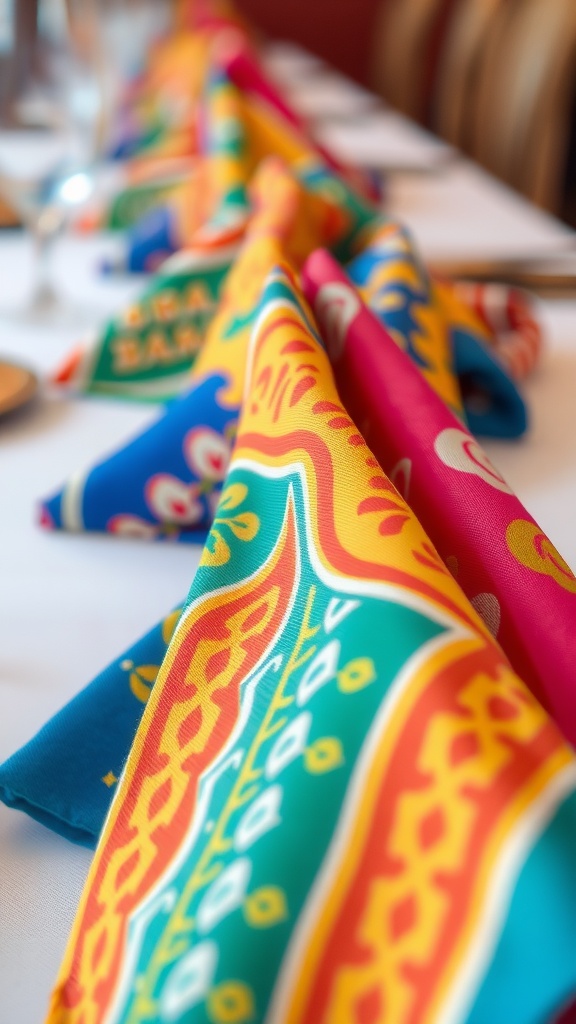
{"x": 532, "y": 273}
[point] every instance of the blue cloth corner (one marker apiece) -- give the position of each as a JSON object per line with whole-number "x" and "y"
{"x": 164, "y": 483}
{"x": 152, "y": 239}
{"x": 492, "y": 402}
{"x": 66, "y": 776}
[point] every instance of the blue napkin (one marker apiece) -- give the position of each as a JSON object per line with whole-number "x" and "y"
{"x": 65, "y": 777}
{"x": 493, "y": 404}
{"x": 162, "y": 485}
{"x": 152, "y": 239}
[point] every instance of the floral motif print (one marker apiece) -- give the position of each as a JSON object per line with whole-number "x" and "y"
{"x": 173, "y": 501}
{"x": 207, "y": 453}
{"x": 244, "y": 526}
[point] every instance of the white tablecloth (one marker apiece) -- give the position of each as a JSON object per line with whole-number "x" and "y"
{"x": 69, "y": 604}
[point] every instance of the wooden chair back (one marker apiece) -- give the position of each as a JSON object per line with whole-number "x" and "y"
{"x": 402, "y": 33}
{"x": 520, "y": 113}
{"x": 458, "y": 69}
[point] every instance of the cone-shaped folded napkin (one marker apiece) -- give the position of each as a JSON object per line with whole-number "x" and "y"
{"x": 239, "y": 130}
{"x": 91, "y": 737}
{"x": 341, "y": 803}
{"x": 224, "y": 143}
{"x": 503, "y": 561}
{"x": 148, "y": 351}
{"x": 157, "y": 107}
{"x": 442, "y": 335}
{"x": 244, "y": 69}
{"x": 66, "y": 775}
{"x": 218, "y": 196}
{"x": 161, "y": 484}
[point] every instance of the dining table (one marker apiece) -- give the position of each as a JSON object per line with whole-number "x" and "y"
{"x": 70, "y": 603}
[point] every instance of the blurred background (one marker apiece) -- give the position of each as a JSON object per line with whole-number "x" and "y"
{"x": 496, "y": 78}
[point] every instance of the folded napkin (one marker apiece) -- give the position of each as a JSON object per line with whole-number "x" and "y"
{"x": 145, "y": 189}
{"x": 268, "y": 132}
{"x": 441, "y": 333}
{"x": 503, "y": 561}
{"x": 341, "y": 803}
{"x": 223, "y": 140}
{"x": 245, "y": 70}
{"x": 218, "y": 195}
{"x": 148, "y": 351}
{"x": 158, "y": 106}
{"x": 161, "y": 485}
{"x": 103, "y": 717}
{"x": 66, "y": 775}
{"x": 509, "y": 319}
{"x": 239, "y": 126}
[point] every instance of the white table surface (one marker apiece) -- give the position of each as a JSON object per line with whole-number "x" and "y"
{"x": 69, "y": 604}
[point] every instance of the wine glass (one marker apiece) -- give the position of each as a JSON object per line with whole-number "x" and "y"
{"x": 49, "y": 152}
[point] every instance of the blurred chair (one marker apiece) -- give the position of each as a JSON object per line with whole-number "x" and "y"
{"x": 406, "y": 45}
{"x": 459, "y": 67}
{"x": 520, "y": 115}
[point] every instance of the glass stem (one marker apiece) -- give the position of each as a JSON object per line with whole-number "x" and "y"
{"x": 46, "y": 231}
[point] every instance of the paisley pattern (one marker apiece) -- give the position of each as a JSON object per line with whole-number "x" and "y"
{"x": 503, "y": 561}
{"x": 339, "y": 785}
{"x": 531, "y": 547}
